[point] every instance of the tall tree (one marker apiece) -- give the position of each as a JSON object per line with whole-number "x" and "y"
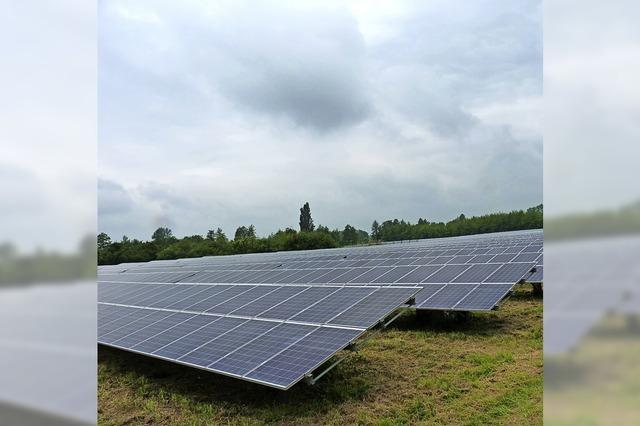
{"x": 306, "y": 222}
{"x": 162, "y": 235}
{"x": 211, "y": 234}
{"x": 220, "y": 236}
{"x": 251, "y": 231}
{"x": 375, "y": 230}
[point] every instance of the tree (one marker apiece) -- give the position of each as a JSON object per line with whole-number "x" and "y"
{"x": 244, "y": 232}
{"x": 241, "y": 232}
{"x": 211, "y": 234}
{"x": 306, "y": 222}
{"x": 162, "y": 235}
{"x": 375, "y": 230}
{"x": 323, "y": 229}
{"x": 349, "y": 235}
{"x": 220, "y": 236}
{"x": 104, "y": 241}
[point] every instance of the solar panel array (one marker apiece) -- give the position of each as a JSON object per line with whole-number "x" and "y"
{"x": 268, "y": 334}
{"x": 274, "y": 317}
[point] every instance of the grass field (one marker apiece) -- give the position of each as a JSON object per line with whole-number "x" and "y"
{"x": 488, "y": 370}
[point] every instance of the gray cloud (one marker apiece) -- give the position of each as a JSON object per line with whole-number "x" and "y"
{"x": 234, "y": 114}
{"x": 112, "y": 198}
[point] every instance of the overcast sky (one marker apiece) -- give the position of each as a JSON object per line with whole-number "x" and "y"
{"x": 230, "y": 113}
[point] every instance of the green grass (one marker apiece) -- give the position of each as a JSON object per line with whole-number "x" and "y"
{"x": 487, "y": 370}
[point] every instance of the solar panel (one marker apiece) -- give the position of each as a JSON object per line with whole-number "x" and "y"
{"x": 242, "y": 330}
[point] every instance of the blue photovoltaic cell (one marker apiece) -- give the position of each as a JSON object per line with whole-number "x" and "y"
{"x": 349, "y": 275}
{"x": 253, "y": 353}
{"x": 241, "y": 299}
{"x": 151, "y": 330}
{"x": 313, "y": 275}
{"x": 276, "y": 297}
{"x": 461, "y": 259}
{"x": 124, "y": 293}
{"x": 218, "y": 298}
{"x": 482, "y": 258}
{"x": 204, "y": 277}
{"x": 526, "y": 257}
{"x": 115, "y": 317}
{"x": 394, "y": 274}
{"x": 227, "y": 343}
{"x": 441, "y": 260}
{"x": 288, "y": 366}
{"x": 510, "y": 273}
{"x": 373, "y": 308}
{"x": 427, "y": 291}
{"x": 329, "y": 275}
{"x": 420, "y": 274}
{"x": 333, "y": 305}
{"x": 206, "y": 293}
{"x": 298, "y": 303}
{"x": 174, "y": 296}
{"x": 199, "y": 337}
{"x": 265, "y": 277}
{"x": 448, "y": 296}
{"x": 502, "y": 258}
{"x": 371, "y": 275}
{"x": 477, "y": 273}
{"x": 447, "y": 273}
{"x": 149, "y": 292}
{"x": 172, "y": 334}
{"x": 484, "y": 297}
{"x": 295, "y": 277}
{"x": 147, "y": 317}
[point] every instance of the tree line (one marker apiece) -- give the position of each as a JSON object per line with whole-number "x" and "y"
{"x": 164, "y": 245}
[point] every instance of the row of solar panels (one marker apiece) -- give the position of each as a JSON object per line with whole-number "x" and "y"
{"x": 276, "y": 288}
{"x": 349, "y": 263}
{"x": 483, "y": 244}
{"x": 444, "y": 286}
{"x": 272, "y": 335}
{"x": 469, "y": 273}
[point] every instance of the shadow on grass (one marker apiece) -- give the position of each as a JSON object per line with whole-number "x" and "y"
{"x": 470, "y": 323}
{"x": 344, "y": 383}
{"x": 485, "y": 324}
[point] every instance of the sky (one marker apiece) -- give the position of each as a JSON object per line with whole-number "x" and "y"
{"x": 221, "y": 114}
